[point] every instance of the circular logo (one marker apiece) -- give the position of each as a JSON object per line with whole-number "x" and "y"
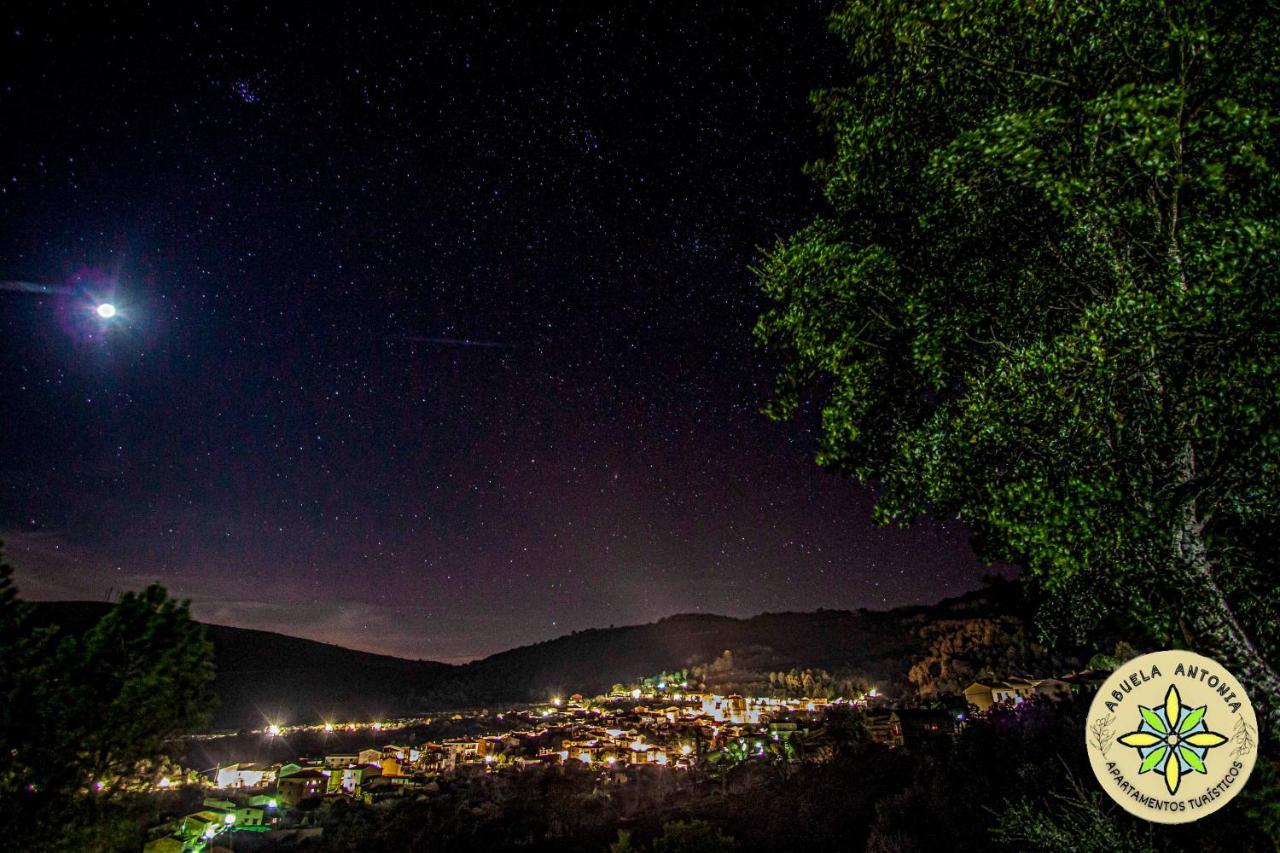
{"x": 1172, "y": 736}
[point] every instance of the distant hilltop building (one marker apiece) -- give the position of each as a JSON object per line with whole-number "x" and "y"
{"x": 1012, "y": 691}
{"x": 244, "y": 775}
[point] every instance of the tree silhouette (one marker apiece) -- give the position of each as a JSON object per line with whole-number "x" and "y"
{"x": 1044, "y": 298}
{"x": 86, "y": 718}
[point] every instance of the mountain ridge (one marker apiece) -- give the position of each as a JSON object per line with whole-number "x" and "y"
{"x": 263, "y": 676}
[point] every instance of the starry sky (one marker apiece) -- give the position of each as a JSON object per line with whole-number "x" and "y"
{"x": 434, "y": 325}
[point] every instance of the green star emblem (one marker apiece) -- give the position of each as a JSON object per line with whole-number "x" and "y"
{"x": 1172, "y": 739}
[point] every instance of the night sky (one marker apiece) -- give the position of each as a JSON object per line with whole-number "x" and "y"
{"x": 434, "y": 327}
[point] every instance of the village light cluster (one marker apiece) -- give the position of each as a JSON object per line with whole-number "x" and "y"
{"x": 628, "y": 729}
{"x": 632, "y": 731}
{"x": 279, "y": 729}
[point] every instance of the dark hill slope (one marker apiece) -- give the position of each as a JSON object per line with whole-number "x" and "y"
{"x": 941, "y": 642}
{"x": 262, "y": 676}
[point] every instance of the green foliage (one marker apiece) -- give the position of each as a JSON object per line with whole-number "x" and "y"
{"x": 692, "y": 836}
{"x": 623, "y": 843}
{"x": 1045, "y": 299}
{"x": 732, "y": 753}
{"x": 667, "y": 680}
{"x": 816, "y": 683}
{"x": 1123, "y": 653}
{"x": 1074, "y": 821}
{"x": 86, "y": 718}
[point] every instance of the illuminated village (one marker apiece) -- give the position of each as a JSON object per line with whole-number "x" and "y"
{"x": 634, "y": 732}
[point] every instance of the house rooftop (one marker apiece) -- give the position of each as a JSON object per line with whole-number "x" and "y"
{"x": 309, "y": 773}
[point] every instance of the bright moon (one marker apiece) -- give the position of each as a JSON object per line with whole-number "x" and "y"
{"x": 106, "y": 310}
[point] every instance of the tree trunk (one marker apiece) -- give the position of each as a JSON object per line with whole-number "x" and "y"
{"x": 1208, "y": 614}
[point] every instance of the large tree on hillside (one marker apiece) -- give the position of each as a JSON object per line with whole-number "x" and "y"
{"x": 85, "y": 720}
{"x": 1045, "y": 298}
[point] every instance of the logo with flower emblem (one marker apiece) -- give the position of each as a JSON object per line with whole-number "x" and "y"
{"x": 1172, "y": 736}
{"x": 1172, "y": 740}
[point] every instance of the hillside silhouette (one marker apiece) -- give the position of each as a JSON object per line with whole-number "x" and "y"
{"x": 920, "y": 650}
